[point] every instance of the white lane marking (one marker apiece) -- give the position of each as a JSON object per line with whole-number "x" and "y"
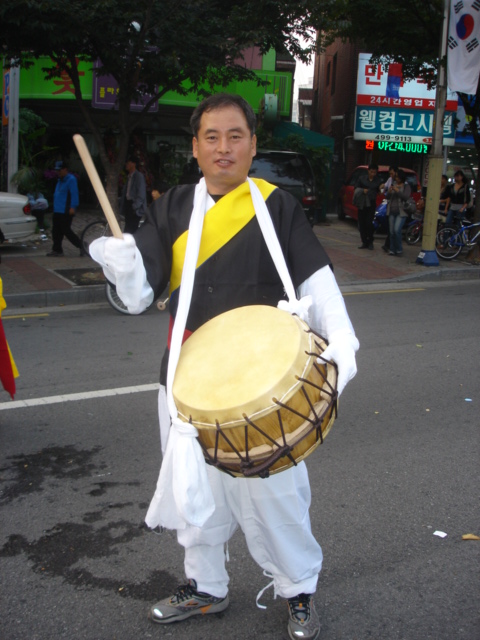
{"x": 73, "y": 397}
{"x": 365, "y": 293}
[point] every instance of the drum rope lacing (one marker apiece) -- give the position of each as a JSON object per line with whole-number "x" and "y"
{"x": 244, "y": 464}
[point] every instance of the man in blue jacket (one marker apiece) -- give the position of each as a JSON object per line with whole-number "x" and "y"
{"x": 65, "y": 203}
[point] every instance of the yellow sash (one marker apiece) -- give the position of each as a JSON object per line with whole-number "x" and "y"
{"x": 221, "y": 223}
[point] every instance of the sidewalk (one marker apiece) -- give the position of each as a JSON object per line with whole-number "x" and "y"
{"x": 30, "y": 279}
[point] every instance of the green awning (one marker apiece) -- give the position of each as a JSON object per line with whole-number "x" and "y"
{"x": 312, "y": 138}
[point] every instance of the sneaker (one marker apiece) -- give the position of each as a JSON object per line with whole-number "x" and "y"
{"x": 55, "y": 254}
{"x": 186, "y": 602}
{"x": 303, "y": 623}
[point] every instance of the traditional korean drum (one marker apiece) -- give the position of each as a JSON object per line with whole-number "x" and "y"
{"x": 249, "y": 381}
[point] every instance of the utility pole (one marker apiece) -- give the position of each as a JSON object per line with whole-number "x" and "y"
{"x": 13, "y": 124}
{"x": 428, "y": 256}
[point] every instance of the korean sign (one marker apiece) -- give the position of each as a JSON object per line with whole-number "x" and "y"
{"x": 34, "y": 85}
{"x": 380, "y": 87}
{"x": 105, "y": 90}
{"x": 400, "y": 125}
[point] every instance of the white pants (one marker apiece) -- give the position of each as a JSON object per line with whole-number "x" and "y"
{"x": 273, "y": 514}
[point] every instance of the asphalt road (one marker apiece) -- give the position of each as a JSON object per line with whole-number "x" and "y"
{"x": 400, "y": 464}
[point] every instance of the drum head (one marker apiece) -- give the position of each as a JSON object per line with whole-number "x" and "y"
{"x": 236, "y": 363}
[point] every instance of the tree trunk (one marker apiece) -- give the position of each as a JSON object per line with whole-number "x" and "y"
{"x": 111, "y": 186}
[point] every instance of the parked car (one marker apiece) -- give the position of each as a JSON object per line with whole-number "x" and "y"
{"x": 291, "y": 171}
{"x": 288, "y": 170}
{"x": 345, "y": 206}
{"x": 16, "y": 222}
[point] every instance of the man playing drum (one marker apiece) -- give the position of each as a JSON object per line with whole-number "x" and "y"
{"x": 235, "y": 269}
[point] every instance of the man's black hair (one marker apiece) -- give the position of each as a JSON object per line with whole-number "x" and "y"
{"x": 373, "y": 166}
{"x": 220, "y": 101}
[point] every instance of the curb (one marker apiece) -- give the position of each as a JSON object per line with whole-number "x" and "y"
{"x": 92, "y": 294}
{"x": 80, "y": 295}
{"x": 444, "y": 275}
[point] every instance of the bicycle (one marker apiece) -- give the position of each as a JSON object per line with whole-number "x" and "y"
{"x": 450, "y": 241}
{"x": 116, "y": 302}
{"x": 414, "y": 230}
{"x": 94, "y": 230}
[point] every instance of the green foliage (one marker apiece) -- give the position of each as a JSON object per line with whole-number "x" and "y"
{"x": 31, "y": 129}
{"x": 28, "y": 180}
{"x": 150, "y": 47}
{"x": 407, "y": 32}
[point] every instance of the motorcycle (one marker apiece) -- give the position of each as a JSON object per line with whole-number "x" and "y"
{"x": 380, "y": 222}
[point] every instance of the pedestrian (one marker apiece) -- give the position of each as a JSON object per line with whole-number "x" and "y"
{"x": 158, "y": 189}
{"x": 134, "y": 196}
{"x": 444, "y": 190}
{"x": 367, "y": 188}
{"x": 392, "y": 171}
{"x": 65, "y": 203}
{"x": 38, "y": 206}
{"x": 458, "y": 198}
{"x": 398, "y": 193}
{"x": 238, "y": 271}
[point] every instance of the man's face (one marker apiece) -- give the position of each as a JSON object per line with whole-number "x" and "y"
{"x": 130, "y": 166}
{"x": 372, "y": 173}
{"x": 62, "y": 172}
{"x": 224, "y": 149}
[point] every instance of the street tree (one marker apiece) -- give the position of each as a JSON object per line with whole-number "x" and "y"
{"x": 150, "y": 47}
{"x": 408, "y": 32}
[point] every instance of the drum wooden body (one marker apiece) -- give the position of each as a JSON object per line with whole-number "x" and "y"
{"x": 249, "y": 381}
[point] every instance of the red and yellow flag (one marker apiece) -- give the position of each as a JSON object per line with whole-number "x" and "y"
{"x": 8, "y": 369}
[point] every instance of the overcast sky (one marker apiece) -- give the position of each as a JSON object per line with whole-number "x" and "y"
{"x": 303, "y": 75}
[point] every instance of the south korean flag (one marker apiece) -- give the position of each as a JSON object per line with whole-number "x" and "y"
{"x": 464, "y": 46}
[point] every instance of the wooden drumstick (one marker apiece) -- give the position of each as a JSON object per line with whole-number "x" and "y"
{"x": 97, "y": 185}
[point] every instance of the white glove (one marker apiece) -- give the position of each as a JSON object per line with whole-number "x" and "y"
{"x": 123, "y": 266}
{"x": 341, "y": 350}
{"x": 119, "y": 254}
{"x": 329, "y": 318}
{"x": 298, "y": 307}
